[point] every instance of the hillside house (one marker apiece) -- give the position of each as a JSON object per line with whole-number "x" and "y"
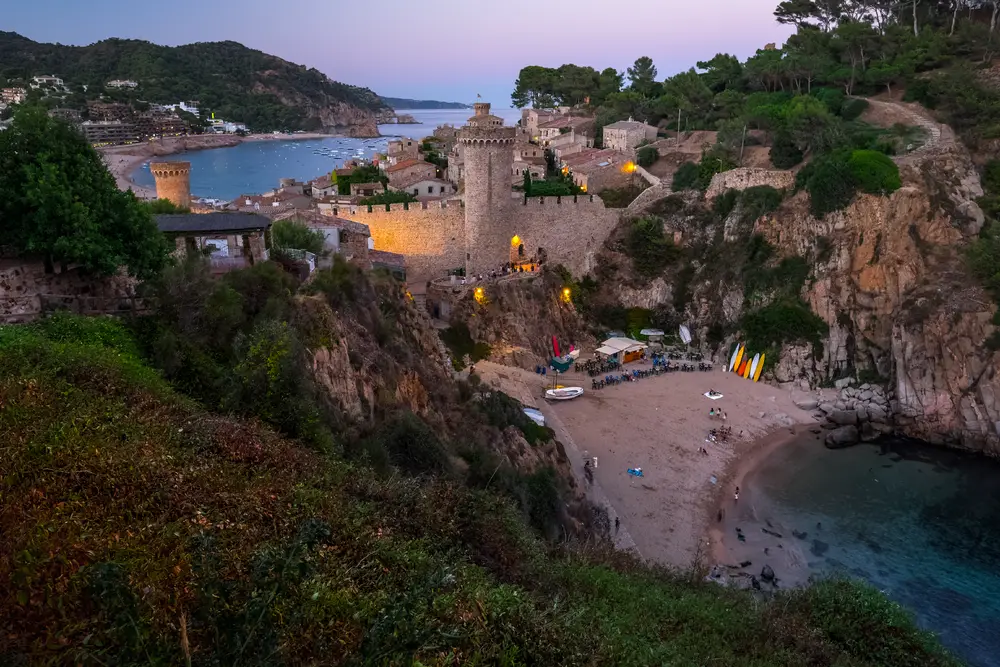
{"x": 583, "y": 125}
{"x": 350, "y": 239}
{"x": 323, "y": 187}
{"x": 13, "y": 95}
{"x": 627, "y": 134}
{"x": 531, "y": 119}
{"x": 423, "y": 187}
{"x": 402, "y": 149}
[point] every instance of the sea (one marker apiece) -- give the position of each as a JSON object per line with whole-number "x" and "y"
{"x": 256, "y": 166}
{"x": 920, "y": 523}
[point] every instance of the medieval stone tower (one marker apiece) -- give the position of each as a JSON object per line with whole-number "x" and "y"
{"x": 173, "y": 181}
{"x": 489, "y": 157}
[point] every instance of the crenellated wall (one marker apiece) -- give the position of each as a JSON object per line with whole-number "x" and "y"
{"x": 748, "y": 177}
{"x": 432, "y": 235}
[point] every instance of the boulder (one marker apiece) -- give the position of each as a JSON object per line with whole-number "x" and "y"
{"x": 840, "y": 405}
{"x": 868, "y": 433}
{"x": 767, "y": 574}
{"x": 866, "y": 395}
{"x": 862, "y": 412}
{"x": 843, "y": 417}
{"x": 845, "y": 436}
{"x": 877, "y": 413}
{"x": 843, "y": 382}
{"x": 865, "y": 387}
{"x": 883, "y": 429}
{"x": 807, "y": 403}
{"x": 827, "y": 408}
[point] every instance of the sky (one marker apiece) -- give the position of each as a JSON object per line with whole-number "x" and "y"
{"x": 450, "y": 50}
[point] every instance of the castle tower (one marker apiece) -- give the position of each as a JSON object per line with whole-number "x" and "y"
{"x": 173, "y": 181}
{"x": 489, "y": 157}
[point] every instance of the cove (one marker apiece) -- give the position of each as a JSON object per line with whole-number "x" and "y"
{"x": 920, "y": 523}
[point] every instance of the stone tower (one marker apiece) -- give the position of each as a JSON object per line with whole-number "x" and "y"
{"x": 489, "y": 157}
{"x": 173, "y": 181}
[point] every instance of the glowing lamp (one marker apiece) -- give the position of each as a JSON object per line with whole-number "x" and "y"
{"x": 479, "y": 295}
{"x": 515, "y": 241}
{"x": 628, "y": 167}
{"x": 566, "y": 294}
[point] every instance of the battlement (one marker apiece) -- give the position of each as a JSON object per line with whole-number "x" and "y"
{"x": 589, "y": 201}
{"x": 170, "y": 169}
{"x": 351, "y": 210}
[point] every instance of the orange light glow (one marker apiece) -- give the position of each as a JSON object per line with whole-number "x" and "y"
{"x": 628, "y": 167}
{"x": 566, "y": 294}
{"x": 480, "y": 295}
{"x": 515, "y": 241}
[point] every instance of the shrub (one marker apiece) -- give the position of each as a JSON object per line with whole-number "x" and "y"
{"x": 760, "y": 200}
{"x": 460, "y": 344}
{"x": 785, "y": 154}
{"x": 412, "y": 446}
{"x": 874, "y": 172}
{"x": 292, "y": 234}
{"x": 646, "y": 156}
{"x": 686, "y": 177}
{"x": 650, "y": 250}
{"x": 502, "y": 411}
{"x": 785, "y": 321}
{"x": 853, "y": 108}
{"x": 832, "y": 98}
{"x": 991, "y": 177}
{"x": 830, "y": 182}
{"x": 724, "y": 204}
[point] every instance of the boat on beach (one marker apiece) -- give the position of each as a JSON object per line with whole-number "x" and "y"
{"x": 563, "y": 394}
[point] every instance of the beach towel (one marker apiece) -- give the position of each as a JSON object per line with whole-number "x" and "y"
{"x": 635, "y": 472}
{"x": 714, "y": 398}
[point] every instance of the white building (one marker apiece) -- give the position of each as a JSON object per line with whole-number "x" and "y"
{"x": 122, "y": 83}
{"x": 37, "y": 81}
{"x": 183, "y": 106}
{"x": 627, "y": 134}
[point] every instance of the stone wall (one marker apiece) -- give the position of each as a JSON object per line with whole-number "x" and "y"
{"x": 571, "y": 230}
{"x": 431, "y": 238}
{"x": 26, "y": 291}
{"x": 747, "y": 177}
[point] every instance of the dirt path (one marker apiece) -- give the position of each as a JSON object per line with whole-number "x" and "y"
{"x": 886, "y": 113}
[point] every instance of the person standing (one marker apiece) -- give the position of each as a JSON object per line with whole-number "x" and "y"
{"x": 617, "y": 525}
{"x": 736, "y": 496}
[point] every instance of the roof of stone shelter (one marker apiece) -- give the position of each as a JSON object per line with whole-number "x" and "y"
{"x": 191, "y": 223}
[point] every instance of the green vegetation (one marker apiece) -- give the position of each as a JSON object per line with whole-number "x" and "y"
{"x": 690, "y": 176}
{"x": 366, "y": 174}
{"x": 833, "y": 180}
{"x": 620, "y": 197}
{"x": 225, "y": 77}
{"x": 163, "y": 207}
{"x": 784, "y": 321}
{"x": 60, "y": 204}
{"x": 292, "y": 234}
{"x": 141, "y": 529}
{"x": 984, "y": 253}
{"x": 646, "y": 156}
{"x": 460, "y": 344}
{"x": 650, "y": 249}
{"x": 388, "y": 197}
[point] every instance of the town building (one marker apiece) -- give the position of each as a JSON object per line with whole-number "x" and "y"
{"x": 421, "y": 186}
{"x": 627, "y": 134}
{"x": 121, "y": 83}
{"x": 402, "y": 149}
{"x": 190, "y": 107}
{"x": 323, "y": 187}
{"x": 531, "y": 119}
{"x": 106, "y": 111}
{"x": 406, "y": 170}
{"x": 273, "y": 204}
{"x": 351, "y": 240}
{"x": 367, "y": 189}
{"x": 13, "y": 95}
{"x": 102, "y": 133}
{"x": 71, "y": 116}
{"x": 560, "y": 125}
{"x": 47, "y": 81}
{"x": 158, "y": 124}
{"x": 595, "y": 170}
{"x": 533, "y": 165}
{"x": 219, "y": 126}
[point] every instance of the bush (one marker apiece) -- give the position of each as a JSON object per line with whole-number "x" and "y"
{"x": 650, "y": 250}
{"x": 786, "y": 321}
{"x": 412, "y": 446}
{"x": 292, "y": 234}
{"x": 830, "y": 182}
{"x": 784, "y": 153}
{"x": 460, "y": 344}
{"x": 646, "y": 156}
{"x": 991, "y": 177}
{"x": 686, "y": 177}
{"x": 853, "y": 108}
{"x": 874, "y": 172}
{"x": 502, "y": 411}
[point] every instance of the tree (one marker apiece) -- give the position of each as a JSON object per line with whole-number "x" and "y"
{"x": 609, "y": 82}
{"x": 642, "y": 76}
{"x": 294, "y": 235}
{"x": 534, "y": 87}
{"x": 721, "y": 72}
{"x": 646, "y": 156}
{"x": 59, "y": 202}
{"x": 527, "y": 183}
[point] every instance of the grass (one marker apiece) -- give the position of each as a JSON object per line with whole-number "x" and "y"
{"x": 141, "y": 529}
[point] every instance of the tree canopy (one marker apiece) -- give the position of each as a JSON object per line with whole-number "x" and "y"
{"x": 58, "y": 202}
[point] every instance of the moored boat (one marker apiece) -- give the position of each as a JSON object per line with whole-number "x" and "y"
{"x": 564, "y": 394}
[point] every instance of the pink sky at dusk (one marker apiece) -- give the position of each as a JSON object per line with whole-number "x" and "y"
{"x": 432, "y": 49}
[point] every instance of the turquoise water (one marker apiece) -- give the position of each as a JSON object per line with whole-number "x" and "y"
{"x": 921, "y": 524}
{"x": 256, "y": 166}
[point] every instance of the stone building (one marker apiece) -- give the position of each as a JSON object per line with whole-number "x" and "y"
{"x": 420, "y": 186}
{"x": 237, "y": 240}
{"x": 173, "y": 182}
{"x": 532, "y": 118}
{"x": 627, "y": 134}
{"x": 347, "y": 238}
{"x": 406, "y": 170}
{"x": 560, "y": 125}
{"x": 403, "y": 149}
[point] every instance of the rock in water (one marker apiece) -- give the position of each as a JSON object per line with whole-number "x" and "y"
{"x": 767, "y": 574}
{"x": 845, "y": 436}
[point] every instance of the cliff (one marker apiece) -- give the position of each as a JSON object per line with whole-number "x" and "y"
{"x": 235, "y": 82}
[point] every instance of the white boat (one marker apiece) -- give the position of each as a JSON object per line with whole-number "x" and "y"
{"x": 564, "y": 394}
{"x": 535, "y": 416}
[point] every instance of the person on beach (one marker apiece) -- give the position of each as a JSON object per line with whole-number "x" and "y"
{"x": 736, "y": 496}
{"x": 617, "y": 525}
{"x": 711, "y": 412}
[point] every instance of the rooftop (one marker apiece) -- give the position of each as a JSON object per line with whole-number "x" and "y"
{"x": 405, "y": 164}
{"x": 318, "y": 220}
{"x": 627, "y": 125}
{"x": 387, "y": 259}
{"x": 182, "y": 223}
{"x": 419, "y": 179}
{"x": 323, "y": 181}
{"x": 566, "y": 121}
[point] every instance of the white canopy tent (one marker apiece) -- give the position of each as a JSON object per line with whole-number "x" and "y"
{"x": 619, "y": 348}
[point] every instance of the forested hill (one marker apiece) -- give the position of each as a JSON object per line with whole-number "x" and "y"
{"x": 228, "y": 78}
{"x": 403, "y": 103}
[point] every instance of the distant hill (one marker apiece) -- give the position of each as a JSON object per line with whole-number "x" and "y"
{"x": 237, "y": 83}
{"x": 403, "y": 103}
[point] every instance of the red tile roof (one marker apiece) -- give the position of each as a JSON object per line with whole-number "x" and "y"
{"x": 405, "y": 164}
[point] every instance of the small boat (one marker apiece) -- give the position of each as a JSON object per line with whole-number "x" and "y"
{"x": 563, "y": 394}
{"x": 535, "y": 416}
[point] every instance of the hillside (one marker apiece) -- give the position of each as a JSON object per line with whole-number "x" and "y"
{"x": 144, "y": 528}
{"x": 403, "y": 103}
{"x": 235, "y": 82}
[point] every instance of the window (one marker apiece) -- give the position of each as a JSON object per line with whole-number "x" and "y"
{"x": 430, "y": 189}
{"x": 416, "y": 192}
{"x": 442, "y": 189}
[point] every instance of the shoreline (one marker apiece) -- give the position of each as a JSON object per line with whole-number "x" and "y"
{"x": 759, "y": 548}
{"x": 122, "y": 161}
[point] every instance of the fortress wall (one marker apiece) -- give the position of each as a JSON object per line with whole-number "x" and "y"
{"x": 432, "y": 238}
{"x": 747, "y": 177}
{"x": 570, "y": 232}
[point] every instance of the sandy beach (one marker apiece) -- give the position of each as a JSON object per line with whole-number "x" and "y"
{"x": 658, "y": 424}
{"x": 123, "y": 160}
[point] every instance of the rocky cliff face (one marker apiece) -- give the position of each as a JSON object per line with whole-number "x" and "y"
{"x": 333, "y": 116}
